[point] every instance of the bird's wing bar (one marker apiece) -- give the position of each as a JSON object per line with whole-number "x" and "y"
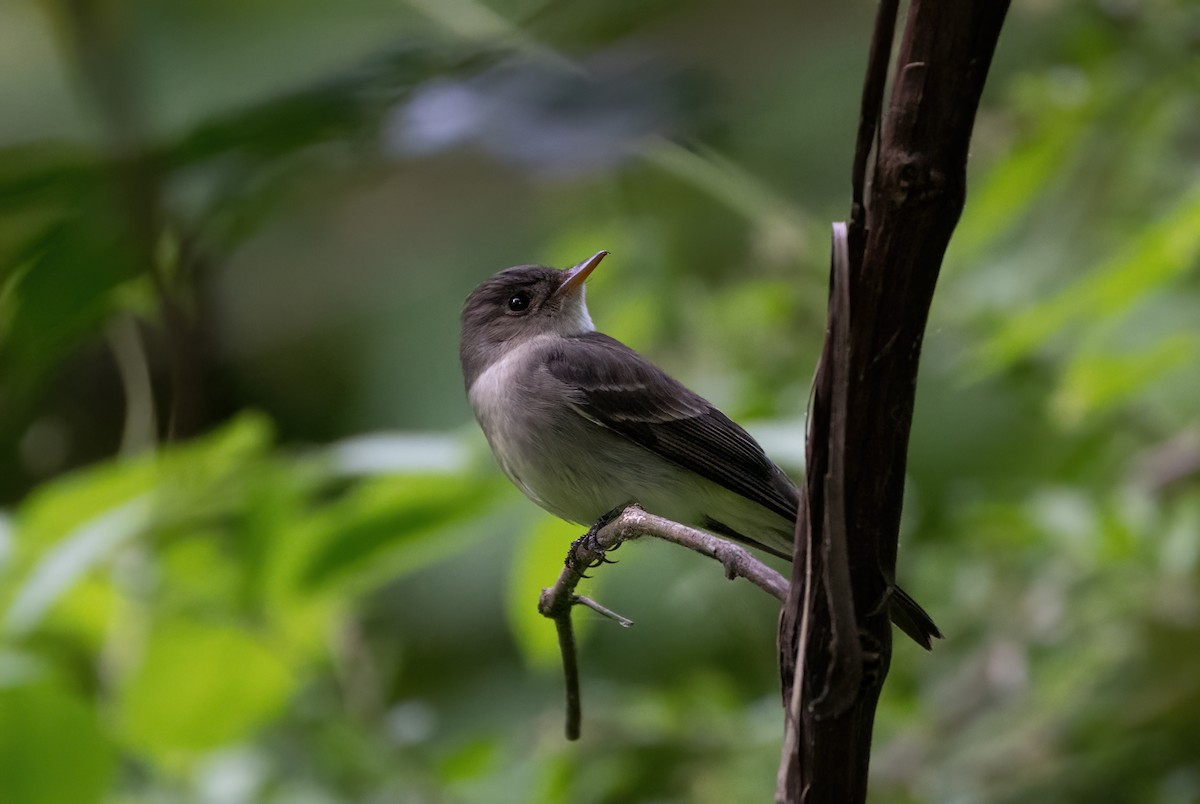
{"x": 617, "y": 388}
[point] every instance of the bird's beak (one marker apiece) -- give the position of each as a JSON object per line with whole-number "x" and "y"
{"x": 579, "y": 274}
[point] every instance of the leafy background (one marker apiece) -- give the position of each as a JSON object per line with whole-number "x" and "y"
{"x": 252, "y": 547}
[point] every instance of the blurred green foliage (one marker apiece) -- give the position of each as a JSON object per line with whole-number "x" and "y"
{"x": 252, "y": 548}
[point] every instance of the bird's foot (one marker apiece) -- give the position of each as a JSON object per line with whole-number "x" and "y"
{"x": 586, "y": 552}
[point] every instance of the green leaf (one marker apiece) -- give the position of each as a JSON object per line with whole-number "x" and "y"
{"x": 470, "y": 761}
{"x": 1015, "y": 183}
{"x": 1158, "y": 256}
{"x": 71, "y": 526}
{"x": 1094, "y": 382}
{"x": 64, "y": 531}
{"x": 63, "y": 565}
{"x": 386, "y": 527}
{"x": 60, "y": 508}
{"x": 51, "y": 748}
{"x": 201, "y": 686}
{"x": 52, "y": 305}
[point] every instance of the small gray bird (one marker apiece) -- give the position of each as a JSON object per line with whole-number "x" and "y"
{"x": 583, "y": 424}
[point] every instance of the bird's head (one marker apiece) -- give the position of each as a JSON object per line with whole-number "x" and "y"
{"x": 521, "y": 303}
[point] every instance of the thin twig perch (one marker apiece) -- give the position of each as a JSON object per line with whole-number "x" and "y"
{"x": 557, "y": 601}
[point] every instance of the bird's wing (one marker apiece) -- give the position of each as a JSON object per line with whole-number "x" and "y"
{"x": 617, "y": 388}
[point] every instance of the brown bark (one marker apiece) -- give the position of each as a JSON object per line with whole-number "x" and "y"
{"x": 835, "y": 638}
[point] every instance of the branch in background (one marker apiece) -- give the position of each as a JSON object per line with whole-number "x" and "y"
{"x": 141, "y": 424}
{"x": 557, "y": 601}
{"x": 97, "y": 36}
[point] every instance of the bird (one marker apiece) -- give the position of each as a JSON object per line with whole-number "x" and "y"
{"x": 584, "y": 425}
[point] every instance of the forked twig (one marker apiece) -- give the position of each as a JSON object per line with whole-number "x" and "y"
{"x": 587, "y": 552}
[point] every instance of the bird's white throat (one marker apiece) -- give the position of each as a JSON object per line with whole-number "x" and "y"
{"x": 573, "y": 317}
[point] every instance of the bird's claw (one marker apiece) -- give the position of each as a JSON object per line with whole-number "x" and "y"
{"x": 580, "y": 557}
{"x": 586, "y": 552}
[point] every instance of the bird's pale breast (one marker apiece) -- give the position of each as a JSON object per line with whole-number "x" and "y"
{"x": 580, "y": 470}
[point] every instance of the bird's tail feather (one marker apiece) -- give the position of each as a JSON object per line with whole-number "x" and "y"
{"x": 910, "y": 618}
{"x": 905, "y": 612}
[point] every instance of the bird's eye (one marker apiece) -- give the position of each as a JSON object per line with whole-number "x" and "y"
{"x": 519, "y": 302}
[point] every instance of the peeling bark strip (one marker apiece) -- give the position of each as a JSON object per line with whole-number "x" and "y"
{"x": 863, "y": 395}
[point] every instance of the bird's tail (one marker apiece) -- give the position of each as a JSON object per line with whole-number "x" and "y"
{"x": 910, "y": 618}
{"x": 905, "y": 612}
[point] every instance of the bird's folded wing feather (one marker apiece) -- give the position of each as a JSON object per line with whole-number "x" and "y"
{"x": 617, "y": 388}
